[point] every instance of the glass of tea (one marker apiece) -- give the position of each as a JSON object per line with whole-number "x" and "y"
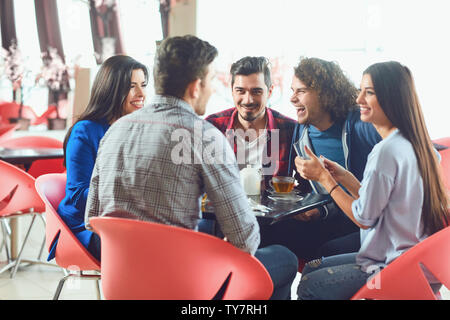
{"x": 282, "y": 184}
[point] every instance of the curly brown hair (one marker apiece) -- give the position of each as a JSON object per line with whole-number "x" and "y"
{"x": 337, "y": 94}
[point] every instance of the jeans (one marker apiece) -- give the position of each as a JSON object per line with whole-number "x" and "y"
{"x": 346, "y": 244}
{"x": 282, "y": 266}
{"x": 337, "y": 278}
{"x": 332, "y": 278}
{"x": 305, "y": 238}
{"x": 94, "y": 247}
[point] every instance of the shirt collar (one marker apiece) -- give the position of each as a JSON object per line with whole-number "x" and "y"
{"x": 270, "y": 119}
{"x": 171, "y": 101}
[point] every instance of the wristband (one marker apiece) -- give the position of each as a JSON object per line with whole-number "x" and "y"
{"x": 332, "y": 189}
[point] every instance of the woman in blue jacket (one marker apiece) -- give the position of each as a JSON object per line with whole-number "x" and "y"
{"x": 118, "y": 89}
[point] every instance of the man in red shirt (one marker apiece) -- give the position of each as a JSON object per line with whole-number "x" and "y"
{"x": 260, "y": 136}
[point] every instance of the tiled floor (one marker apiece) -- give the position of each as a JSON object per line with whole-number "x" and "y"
{"x": 38, "y": 282}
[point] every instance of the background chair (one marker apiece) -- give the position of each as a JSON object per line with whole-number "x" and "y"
{"x": 18, "y": 198}
{"x": 70, "y": 253}
{"x": 445, "y": 160}
{"x": 144, "y": 260}
{"x": 403, "y": 279}
{"x": 6, "y": 131}
{"x": 39, "y": 167}
{"x": 11, "y": 110}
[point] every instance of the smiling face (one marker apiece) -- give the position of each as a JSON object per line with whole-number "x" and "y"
{"x": 306, "y": 102}
{"x": 136, "y": 96}
{"x": 250, "y": 96}
{"x": 370, "y": 108}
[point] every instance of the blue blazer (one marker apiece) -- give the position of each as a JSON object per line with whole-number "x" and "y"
{"x": 81, "y": 152}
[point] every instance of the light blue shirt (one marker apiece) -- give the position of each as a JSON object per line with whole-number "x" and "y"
{"x": 390, "y": 203}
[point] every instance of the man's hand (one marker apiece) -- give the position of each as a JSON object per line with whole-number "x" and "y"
{"x": 312, "y": 168}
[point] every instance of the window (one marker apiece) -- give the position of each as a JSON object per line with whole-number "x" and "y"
{"x": 75, "y": 25}
{"x": 353, "y": 33}
{"x": 141, "y": 28}
{"x": 28, "y": 42}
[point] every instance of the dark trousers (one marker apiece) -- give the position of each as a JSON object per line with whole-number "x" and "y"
{"x": 305, "y": 239}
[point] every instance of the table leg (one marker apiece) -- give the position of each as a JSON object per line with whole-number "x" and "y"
{"x": 15, "y": 236}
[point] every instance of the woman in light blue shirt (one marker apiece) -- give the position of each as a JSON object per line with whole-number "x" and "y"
{"x": 118, "y": 89}
{"x": 401, "y": 199}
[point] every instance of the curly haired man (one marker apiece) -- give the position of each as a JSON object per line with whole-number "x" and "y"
{"x": 328, "y": 124}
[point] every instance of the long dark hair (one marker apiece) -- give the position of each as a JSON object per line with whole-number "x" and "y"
{"x": 109, "y": 91}
{"x": 395, "y": 90}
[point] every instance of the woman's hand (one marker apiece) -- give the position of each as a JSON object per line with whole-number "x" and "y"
{"x": 311, "y": 169}
{"x": 335, "y": 169}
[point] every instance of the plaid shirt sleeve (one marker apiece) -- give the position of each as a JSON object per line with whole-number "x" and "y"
{"x": 222, "y": 185}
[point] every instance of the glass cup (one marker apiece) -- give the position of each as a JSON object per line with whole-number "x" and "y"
{"x": 282, "y": 184}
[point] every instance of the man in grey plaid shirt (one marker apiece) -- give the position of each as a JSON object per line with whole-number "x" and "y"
{"x": 156, "y": 163}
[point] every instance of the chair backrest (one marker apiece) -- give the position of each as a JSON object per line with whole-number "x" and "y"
{"x": 39, "y": 167}
{"x": 6, "y": 131}
{"x": 145, "y": 260}
{"x": 69, "y": 251}
{"x": 17, "y": 191}
{"x": 11, "y": 110}
{"x": 445, "y": 160}
{"x": 403, "y": 279}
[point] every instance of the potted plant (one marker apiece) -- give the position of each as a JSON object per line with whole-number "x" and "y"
{"x": 55, "y": 74}
{"x": 14, "y": 70}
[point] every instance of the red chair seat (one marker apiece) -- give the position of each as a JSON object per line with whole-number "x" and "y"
{"x": 145, "y": 260}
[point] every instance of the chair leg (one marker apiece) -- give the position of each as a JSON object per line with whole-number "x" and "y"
{"x": 21, "y": 249}
{"x": 60, "y": 287}
{"x": 41, "y": 249}
{"x": 43, "y": 241}
{"x": 97, "y": 285}
{"x": 5, "y": 240}
{"x": 80, "y": 276}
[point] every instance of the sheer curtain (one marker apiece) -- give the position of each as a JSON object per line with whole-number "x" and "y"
{"x": 8, "y": 25}
{"x": 47, "y": 20}
{"x": 105, "y": 24}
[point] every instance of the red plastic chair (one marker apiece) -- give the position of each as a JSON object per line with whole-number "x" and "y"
{"x": 70, "y": 253}
{"x": 49, "y": 113}
{"x": 7, "y": 130}
{"x": 403, "y": 279}
{"x": 11, "y": 110}
{"x": 445, "y": 160}
{"x": 18, "y": 198}
{"x": 145, "y": 260}
{"x": 39, "y": 167}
